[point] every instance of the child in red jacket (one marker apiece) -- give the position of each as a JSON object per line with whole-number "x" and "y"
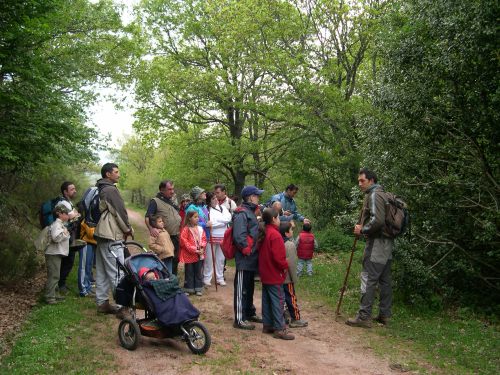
{"x": 272, "y": 269}
{"x": 192, "y": 249}
{"x": 306, "y": 244}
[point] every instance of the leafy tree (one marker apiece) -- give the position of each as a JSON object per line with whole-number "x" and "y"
{"x": 50, "y": 52}
{"x": 207, "y": 76}
{"x": 435, "y": 141}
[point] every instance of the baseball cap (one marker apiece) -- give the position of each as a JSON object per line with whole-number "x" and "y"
{"x": 250, "y": 190}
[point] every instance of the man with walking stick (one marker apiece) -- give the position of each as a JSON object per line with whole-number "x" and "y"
{"x": 377, "y": 256}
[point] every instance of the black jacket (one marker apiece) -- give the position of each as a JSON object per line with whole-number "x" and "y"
{"x": 245, "y": 223}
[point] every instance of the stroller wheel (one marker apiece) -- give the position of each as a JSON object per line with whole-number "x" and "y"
{"x": 198, "y": 339}
{"x": 129, "y": 333}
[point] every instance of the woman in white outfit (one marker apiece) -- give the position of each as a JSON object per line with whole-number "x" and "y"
{"x": 220, "y": 217}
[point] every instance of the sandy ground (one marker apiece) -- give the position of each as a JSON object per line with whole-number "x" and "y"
{"x": 324, "y": 347}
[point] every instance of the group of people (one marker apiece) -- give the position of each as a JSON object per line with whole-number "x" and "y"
{"x": 191, "y": 232}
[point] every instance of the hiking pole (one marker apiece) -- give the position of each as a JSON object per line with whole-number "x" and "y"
{"x": 213, "y": 254}
{"x": 342, "y": 290}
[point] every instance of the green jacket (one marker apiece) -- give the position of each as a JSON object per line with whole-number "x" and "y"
{"x": 378, "y": 247}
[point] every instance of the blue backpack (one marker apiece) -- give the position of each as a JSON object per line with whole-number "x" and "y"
{"x": 46, "y": 214}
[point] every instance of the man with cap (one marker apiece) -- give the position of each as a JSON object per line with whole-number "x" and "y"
{"x": 245, "y": 233}
{"x": 163, "y": 204}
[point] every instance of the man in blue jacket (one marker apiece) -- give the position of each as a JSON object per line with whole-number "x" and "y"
{"x": 288, "y": 206}
{"x": 245, "y": 232}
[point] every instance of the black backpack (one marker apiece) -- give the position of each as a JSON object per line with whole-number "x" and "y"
{"x": 89, "y": 206}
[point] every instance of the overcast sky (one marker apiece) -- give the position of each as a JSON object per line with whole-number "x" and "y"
{"x": 108, "y": 119}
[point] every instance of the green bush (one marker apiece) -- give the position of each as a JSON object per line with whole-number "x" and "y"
{"x": 18, "y": 254}
{"x": 332, "y": 238}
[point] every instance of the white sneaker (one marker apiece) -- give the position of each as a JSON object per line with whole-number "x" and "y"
{"x": 221, "y": 283}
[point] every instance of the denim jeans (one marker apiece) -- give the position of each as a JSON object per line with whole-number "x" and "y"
{"x": 85, "y": 263}
{"x": 272, "y": 306}
{"x": 193, "y": 279}
{"x": 300, "y": 266}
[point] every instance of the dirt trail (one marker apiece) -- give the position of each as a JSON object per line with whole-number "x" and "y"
{"x": 324, "y": 347}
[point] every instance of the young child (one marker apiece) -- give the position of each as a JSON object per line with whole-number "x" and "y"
{"x": 57, "y": 249}
{"x": 147, "y": 274}
{"x": 286, "y": 230}
{"x": 192, "y": 248}
{"x": 162, "y": 245}
{"x": 272, "y": 269}
{"x": 306, "y": 244}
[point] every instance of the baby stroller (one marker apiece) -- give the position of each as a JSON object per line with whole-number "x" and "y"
{"x": 168, "y": 311}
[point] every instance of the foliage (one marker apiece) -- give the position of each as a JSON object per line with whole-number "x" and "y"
{"x": 207, "y": 77}
{"x": 19, "y": 214}
{"x": 332, "y": 239}
{"x": 49, "y": 52}
{"x": 435, "y": 141}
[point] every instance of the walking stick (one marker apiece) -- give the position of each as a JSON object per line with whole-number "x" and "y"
{"x": 213, "y": 253}
{"x": 342, "y": 290}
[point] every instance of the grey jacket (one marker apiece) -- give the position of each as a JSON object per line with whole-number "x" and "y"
{"x": 291, "y": 258}
{"x": 113, "y": 223}
{"x": 378, "y": 247}
{"x": 245, "y": 223}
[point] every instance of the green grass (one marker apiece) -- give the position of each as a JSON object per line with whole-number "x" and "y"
{"x": 450, "y": 342}
{"x": 59, "y": 339}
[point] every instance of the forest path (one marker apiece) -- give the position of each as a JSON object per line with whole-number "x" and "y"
{"x": 324, "y": 347}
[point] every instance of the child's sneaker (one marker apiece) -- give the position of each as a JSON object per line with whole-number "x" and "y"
{"x": 283, "y": 334}
{"x": 298, "y": 323}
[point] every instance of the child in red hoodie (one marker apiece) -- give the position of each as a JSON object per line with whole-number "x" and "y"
{"x": 272, "y": 269}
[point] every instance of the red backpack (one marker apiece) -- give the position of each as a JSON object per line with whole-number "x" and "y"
{"x": 227, "y": 245}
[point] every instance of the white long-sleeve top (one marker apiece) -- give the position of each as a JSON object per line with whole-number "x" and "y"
{"x": 59, "y": 239}
{"x": 220, "y": 217}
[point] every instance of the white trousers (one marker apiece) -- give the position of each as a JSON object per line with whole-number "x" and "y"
{"x": 208, "y": 268}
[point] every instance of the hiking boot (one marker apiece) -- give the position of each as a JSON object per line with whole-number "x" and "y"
{"x": 298, "y": 323}
{"x": 198, "y": 293}
{"x": 51, "y": 302}
{"x": 255, "y": 319}
{"x": 382, "y": 320}
{"x": 358, "y": 322}
{"x": 123, "y": 313}
{"x": 245, "y": 324}
{"x": 222, "y": 283}
{"x": 107, "y": 308}
{"x": 63, "y": 290}
{"x": 267, "y": 329}
{"x": 283, "y": 334}
{"x": 60, "y": 298}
